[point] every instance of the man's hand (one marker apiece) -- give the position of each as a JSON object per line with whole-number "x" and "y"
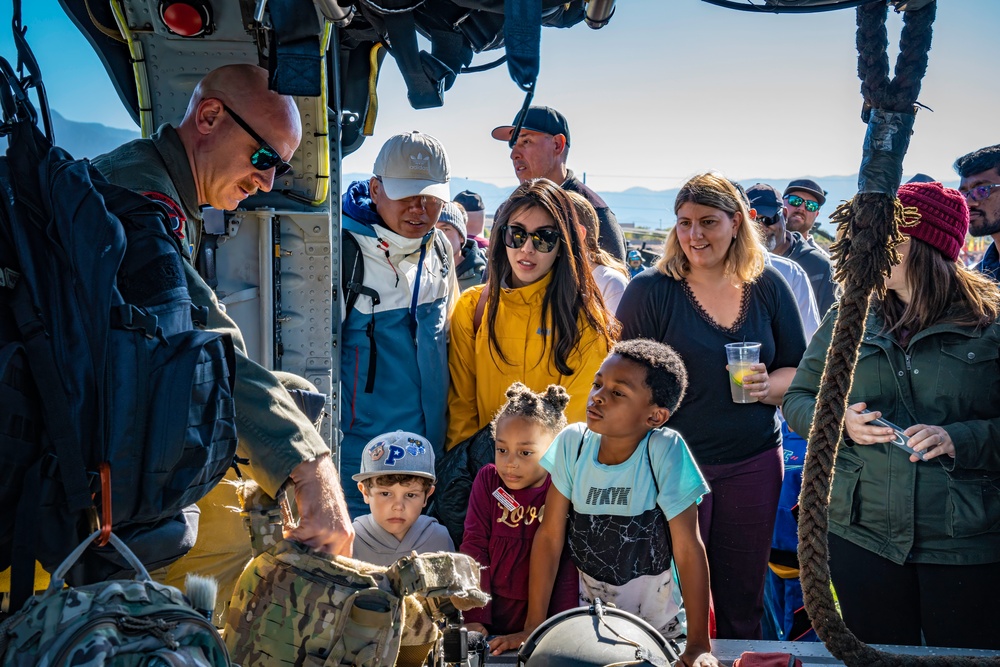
{"x": 324, "y": 523}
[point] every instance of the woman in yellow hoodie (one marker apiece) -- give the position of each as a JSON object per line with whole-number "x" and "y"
{"x": 542, "y": 317}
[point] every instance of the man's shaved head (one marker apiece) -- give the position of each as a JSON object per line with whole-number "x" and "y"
{"x": 219, "y": 149}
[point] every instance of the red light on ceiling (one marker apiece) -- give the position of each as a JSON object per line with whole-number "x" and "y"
{"x": 186, "y": 18}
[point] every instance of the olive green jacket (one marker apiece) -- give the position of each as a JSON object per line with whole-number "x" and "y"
{"x": 273, "y": 432}
{"x": 946, "y": 510}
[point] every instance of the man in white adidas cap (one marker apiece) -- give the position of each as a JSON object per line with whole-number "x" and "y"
{"x": 398, "y": 279}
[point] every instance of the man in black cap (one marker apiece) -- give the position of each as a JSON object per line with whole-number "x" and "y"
{"x": 541, "y": 150}
{"x": 784, "y": 243}
{"x": 476, "y": 210}
{"x": 803, "y": 198}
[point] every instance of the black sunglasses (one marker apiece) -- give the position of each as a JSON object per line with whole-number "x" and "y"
{"x": 768, "y": 220}
{"x": 544, "y": 240}
{"x": 795, "y": 201}
{"x": 264, "y": 157}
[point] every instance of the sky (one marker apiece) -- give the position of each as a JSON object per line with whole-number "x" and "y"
{"x": 668, "y": 89}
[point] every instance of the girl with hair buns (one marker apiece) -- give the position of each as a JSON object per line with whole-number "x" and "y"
{"x": 919, "y": 534}
{"x": 710, "y": 288}
{"x": 506, "y": 507}
{"x": 539, "y": 319}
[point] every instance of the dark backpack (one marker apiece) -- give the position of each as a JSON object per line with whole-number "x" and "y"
{"x": 115, "y": 410}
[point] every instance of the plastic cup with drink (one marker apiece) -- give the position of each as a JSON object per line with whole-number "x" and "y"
{"x": 741, "y": 357}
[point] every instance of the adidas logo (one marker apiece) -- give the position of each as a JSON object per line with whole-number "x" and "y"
{"x": 420, "y": 162}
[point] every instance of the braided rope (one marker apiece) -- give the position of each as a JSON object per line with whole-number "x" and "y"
{"x": 868, "y": 226}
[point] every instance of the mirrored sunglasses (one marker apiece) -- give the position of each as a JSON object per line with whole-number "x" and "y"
{"x": 544, "y": 240}
{"x": 795, "y": 201}
{"x": 264, "y": 157}
{"x": 980, "y": 192}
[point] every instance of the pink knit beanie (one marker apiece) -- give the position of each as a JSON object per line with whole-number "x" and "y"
{"x": 944, "y": 216}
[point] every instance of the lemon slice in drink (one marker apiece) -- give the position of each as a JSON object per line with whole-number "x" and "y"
{"x": 739, "y": 375}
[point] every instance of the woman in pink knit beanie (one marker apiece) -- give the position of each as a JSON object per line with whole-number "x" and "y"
{"x": 915, "y": 535}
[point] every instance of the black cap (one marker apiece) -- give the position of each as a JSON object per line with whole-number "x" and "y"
{"x": 806, "y": 185}
{"x": 538, "y": 119}
{"x": 470, "y": 201}
{"x": 764, "y": 198}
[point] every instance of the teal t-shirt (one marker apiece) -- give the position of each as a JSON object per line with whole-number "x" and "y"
{"x": 626, "y": 489}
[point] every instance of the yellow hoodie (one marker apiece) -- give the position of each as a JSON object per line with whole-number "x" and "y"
{"x": 480, "y": 378}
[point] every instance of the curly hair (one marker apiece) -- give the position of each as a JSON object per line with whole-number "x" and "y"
{"x": 547, "y": 408}
{"x": 666, "y": 375}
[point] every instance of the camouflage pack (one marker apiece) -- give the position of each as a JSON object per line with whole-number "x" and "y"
{"x": 296, "y": 606}
{"x": 113, "y": 624}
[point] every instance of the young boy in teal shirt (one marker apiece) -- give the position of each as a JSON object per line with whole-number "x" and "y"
{"x": 631, "y": 489}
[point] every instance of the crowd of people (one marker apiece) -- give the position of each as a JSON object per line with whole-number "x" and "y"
{"x": 624, "y": 469}
{"x": 604, "y": 386}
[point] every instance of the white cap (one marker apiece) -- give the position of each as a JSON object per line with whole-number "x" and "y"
{"x": 413, "y": 164}
{"x": 397, "y": 453}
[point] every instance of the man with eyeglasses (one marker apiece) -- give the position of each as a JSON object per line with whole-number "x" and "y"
{"x": 393, "y": 351}
{"x": 802, "y": 200}
{"x": 236, "y": 137}
{"x": 792, "y": 245}
{"x": 541, "y": 150}
{"x": 980, "y": 172}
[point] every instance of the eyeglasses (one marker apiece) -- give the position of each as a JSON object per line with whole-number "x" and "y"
{"x": 768, "y": 220}
{"x": 544, "y": 240}
{"x": 980, "y": 192}
{"x": 795, "y": 201}
{"x": 264, "y": 157}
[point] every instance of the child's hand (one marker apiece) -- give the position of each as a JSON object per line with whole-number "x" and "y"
{"x": 508, "y": 642}
{"x": 477, "y": 627}
{"x": 699, "y": 656}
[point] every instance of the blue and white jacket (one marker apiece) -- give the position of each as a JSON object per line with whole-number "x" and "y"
{"x": 409, "y": 326}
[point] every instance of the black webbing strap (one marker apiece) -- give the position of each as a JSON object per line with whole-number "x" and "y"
{"x": 22, "y": 557}
{"x": 296, "y": 54}
{"x": 423, "y": 74}
{"x": 522, "y": 36}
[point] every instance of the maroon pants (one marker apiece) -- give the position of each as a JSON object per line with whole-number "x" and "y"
{"x": 736, "y": 521}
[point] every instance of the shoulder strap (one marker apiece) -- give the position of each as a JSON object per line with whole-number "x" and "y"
{"x": 352, "y": 273}
{"x": 444, "y": 252}
{"x": 652, "y": 468}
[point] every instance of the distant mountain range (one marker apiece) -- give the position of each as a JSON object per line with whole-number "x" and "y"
{"x": 641, "y": 207}
{"x": 86, "y": 139}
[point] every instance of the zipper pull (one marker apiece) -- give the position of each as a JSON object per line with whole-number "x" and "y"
{"x": 907, "y": 361}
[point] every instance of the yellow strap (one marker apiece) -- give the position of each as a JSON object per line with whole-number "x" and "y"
{"x": 784, "y": 571}
{"x": 41, "y": 579}
{"x": 369, "y": 128}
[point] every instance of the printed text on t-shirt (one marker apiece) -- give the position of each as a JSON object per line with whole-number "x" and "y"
{"x": 613, "y": 495}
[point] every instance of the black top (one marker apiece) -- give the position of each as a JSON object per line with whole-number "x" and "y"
{"x": 610, "y": 237}
{"x": 715, "y": 428}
